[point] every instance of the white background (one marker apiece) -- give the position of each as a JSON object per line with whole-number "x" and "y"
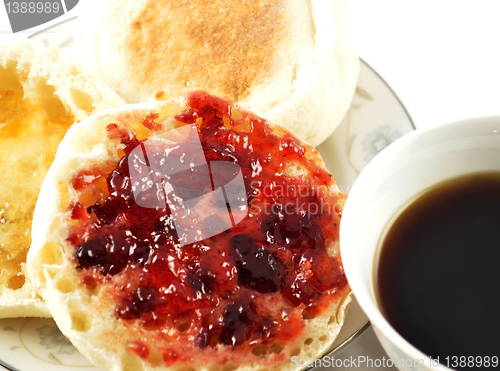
{"x": 442, "y": 58}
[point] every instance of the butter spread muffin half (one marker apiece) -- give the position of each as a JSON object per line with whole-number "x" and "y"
{"x": 40, "y": 98}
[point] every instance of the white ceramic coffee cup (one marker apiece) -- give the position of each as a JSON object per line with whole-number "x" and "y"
{"x": 397, "y": 174}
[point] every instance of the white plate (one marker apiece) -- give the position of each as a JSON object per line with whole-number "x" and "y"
{"x": 375, "y": 119}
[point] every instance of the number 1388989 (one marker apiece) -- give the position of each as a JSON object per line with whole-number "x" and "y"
{"x": 32, "y": 7}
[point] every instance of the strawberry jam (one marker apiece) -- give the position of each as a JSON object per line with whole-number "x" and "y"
{"x": 253, "y": 284}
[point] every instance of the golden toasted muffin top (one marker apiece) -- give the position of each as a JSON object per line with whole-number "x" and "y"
{"x": 229, "y": 46}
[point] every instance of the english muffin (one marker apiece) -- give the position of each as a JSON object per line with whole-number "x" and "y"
{"x": 293, "y": 60}
{"x": 40, "y": 98}
{"x": 190, "y": 233}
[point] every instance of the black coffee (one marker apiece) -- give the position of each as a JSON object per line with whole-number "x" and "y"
{"x": 438, "y": 275}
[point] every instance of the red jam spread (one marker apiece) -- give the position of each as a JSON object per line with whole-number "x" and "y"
{"x": 252, "y": 284}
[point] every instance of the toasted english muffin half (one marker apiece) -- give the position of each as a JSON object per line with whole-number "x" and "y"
{"x": 293, "y": 60}
{"x": 40, "y": 98}
{"x": 190, "y": 234}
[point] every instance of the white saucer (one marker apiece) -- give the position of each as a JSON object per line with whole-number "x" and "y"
{"x": 376, "y": 118}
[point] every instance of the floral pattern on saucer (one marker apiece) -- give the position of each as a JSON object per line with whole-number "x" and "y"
{"x": 51, "y": 337}
{"x": 377, "y": 140}
{"x": 36, "y": 343}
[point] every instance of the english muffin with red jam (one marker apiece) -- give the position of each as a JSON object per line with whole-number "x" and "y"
{"x": 190, "y": 234}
